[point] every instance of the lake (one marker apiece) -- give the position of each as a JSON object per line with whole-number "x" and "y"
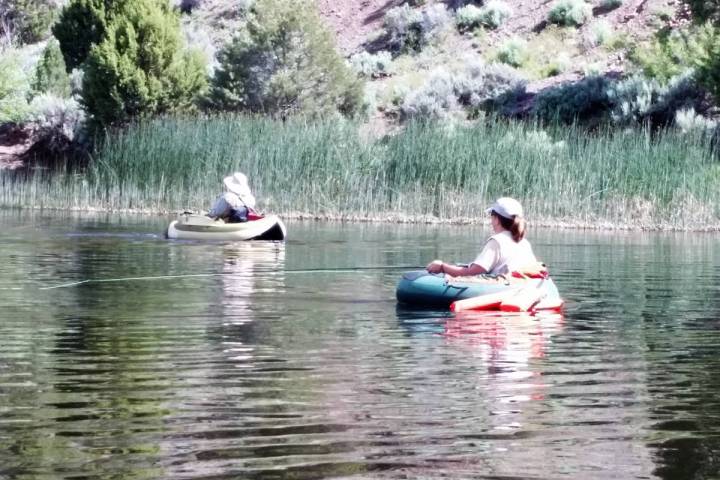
{"x": 292, "y": 360}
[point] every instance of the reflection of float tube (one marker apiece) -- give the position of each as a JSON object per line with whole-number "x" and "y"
{"x": 490, "y": 301}
{"x": 554, "y": 304}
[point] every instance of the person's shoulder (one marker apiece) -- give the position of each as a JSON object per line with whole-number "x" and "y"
{"x": 501, "y": 237}
{"x": 492, "y": 242}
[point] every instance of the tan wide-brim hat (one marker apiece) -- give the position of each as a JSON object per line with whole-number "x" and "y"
{"x": 237, "y": 183}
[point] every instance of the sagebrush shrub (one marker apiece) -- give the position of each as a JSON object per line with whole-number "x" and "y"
{"x": 488, "y": 86}
{"x": 634, "y": 100}
{"x": 409, "y": 30}
{"x": 513, "y": 52}
{"x": 570, "y": 13}
{"x": 600, "y": 33}
{"x": 468, "y": 17}
{"x": 476, "y": 87}
{"x": 64, "y": 115}
{"x": 494, "y": 13}
{"x": 557, "y": 65}
{"x": 435, "y": 99}
{"x": 372, "y": 65}
{"x": 642, "y": 99}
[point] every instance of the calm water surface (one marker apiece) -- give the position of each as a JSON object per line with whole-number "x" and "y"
{"x": 257, "y": 361}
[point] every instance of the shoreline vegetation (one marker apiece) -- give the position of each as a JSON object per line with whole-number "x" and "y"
{"x": 427, "y": 173}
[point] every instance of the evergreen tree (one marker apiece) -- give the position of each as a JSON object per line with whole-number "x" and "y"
{"x": 50, "y": 74}
{"x": 82, "y": 24}
{"x": 140, "y": 67}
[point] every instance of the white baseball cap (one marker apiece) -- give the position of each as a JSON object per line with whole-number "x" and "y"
{"x": 506, "y": 207}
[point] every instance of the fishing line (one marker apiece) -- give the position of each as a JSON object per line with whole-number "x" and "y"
{"x": 221, "y": 274}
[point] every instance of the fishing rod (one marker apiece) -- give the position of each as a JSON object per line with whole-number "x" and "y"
{"x": 221, "y": 274}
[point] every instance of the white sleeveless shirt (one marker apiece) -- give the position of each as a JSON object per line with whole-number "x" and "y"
{"x": 503, "y": 255}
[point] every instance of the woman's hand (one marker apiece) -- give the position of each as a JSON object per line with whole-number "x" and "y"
{"x": 436, "y": 266}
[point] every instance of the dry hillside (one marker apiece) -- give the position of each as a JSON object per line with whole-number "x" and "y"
{"x": 354, "y": 22}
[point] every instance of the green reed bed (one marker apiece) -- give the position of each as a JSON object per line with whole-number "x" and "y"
{"x": 562, "y": 175}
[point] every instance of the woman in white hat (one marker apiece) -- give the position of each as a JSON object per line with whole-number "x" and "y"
{"x": 236, "y": 202}
{"x": 505, "y": 252}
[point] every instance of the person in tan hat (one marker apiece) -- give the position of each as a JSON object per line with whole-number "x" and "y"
{"x": 504, "y": 252}
{"x": 236, "y": 202}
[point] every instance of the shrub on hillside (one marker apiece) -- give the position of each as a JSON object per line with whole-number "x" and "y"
{"x": 468, "y": 17}
{"x": 513, "y": 52}
{"x": 671, "y": 53}
{"x": 27, "y": 21}
{"x": 482, "y": 86}
{"x": 681, "y": 92}
{"x": 50, "y": 75}
{"x": 476, "y": 87}
{"x": 634, "y": 100}
{"x": 140, "y": 67}
{"x": 62, "y": 115}
{"x": 409, "y": 30}
{"x": 600, "y": 33}
{"x": 492, "y": 15}
{"x": 495, "y": 13}
{"x": 372, "y": 65}
{"x": 570, "y": 13}
{"x": 435, "y": 99}
{"x": 583, "y": 100}
{"x": 14, "y": 87}
{"x": 557, "y": 65}
{"x": 284, "y": 63}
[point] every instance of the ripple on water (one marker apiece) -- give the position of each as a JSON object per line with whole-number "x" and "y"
{"x": 252, "y": 371}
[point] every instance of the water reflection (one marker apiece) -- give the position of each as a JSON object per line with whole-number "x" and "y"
{"x": 240, "y": 366}
{"x": 249, "y": 270}
{"x": 518, "y": 337}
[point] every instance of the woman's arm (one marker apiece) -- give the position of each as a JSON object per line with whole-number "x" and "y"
{"x": 439, "y": 266}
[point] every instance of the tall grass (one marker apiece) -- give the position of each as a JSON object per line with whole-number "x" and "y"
{"x": 564, "y": 175}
